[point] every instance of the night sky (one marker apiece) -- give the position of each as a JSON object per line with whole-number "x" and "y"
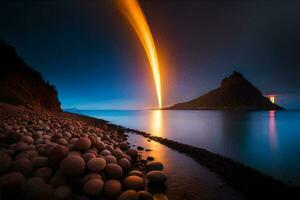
{"x": 90, "y": 53}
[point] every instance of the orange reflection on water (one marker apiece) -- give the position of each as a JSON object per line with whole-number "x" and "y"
{"x": 156, "y": 129}
{"x": 272, "y": 130}
{"x": 156, "y": 124}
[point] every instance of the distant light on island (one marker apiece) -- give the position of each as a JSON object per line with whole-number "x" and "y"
{"x": 272, "y": 99}
{"x": 136, "y": 17}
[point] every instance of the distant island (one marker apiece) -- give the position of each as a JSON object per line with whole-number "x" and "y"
{"x": 235, "y": 93}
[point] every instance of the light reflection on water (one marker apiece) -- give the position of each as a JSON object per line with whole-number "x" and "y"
{"x": 265, "y": 140}
{"x": 272, "y": 130}
{"x": 186, "y": 178}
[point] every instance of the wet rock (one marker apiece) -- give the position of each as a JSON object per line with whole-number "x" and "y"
{"x": 140, "y": 148}
{"x": 113, "y": 171}
{"x": 112, "y": 188}
{"x": 83, "y": 144}
{"x": 150, "y": 158}
{"x": 154, "y": 166}
{"x": 72, "y": 165}
{"x": 136, "y": 173}
{"x": 129, "y": 195}
{"x": 96, "y": 164}
{"x": 62, "y": 192}
{"x": 133, "y": 153}
{"x": 93, "y": 187}
{"x": 134, "y": 183}
{"x": 5, "y": 162}
{"x": 12, "y": 180}
{"x": 156, "y": 176}
{"x": 144, "y": 195}
{"x": 23, "y": 166}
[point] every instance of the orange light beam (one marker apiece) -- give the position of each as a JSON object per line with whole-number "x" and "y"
{"x": 134, "y": 14}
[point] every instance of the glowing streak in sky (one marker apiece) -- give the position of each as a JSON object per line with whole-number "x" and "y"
{"x": 136, "y": 17}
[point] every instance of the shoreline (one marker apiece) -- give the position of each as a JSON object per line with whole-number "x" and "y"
{"x": 247, "y": 180}
{"x": 250, "y": 182}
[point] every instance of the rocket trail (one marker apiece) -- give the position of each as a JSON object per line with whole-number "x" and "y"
{"x": 134, "y": 14}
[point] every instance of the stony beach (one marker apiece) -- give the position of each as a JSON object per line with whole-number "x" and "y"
{"x": 57, "y": 155}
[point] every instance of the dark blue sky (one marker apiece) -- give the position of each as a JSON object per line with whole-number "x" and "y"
{"x": 90, "y": 53}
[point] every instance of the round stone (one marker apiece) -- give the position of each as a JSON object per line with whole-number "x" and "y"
{"x": 62, "y": 141}
{"x": 134, "y": 183}
{"x": 39, "y": 161}
{"x": 99, "y": 145}
{"x": 28, "y": 139}
{"x": 93, "y": 187}
{"x": 105, "y": 152}
{"x": 133, "y": 153}
{"x": 88, "y": 156}
{"x": 90, "y": 176}
{"x": 124, "y": 146}
{"x": 112, "y": 188}
{"x": 12, "y": 180}
{"x": 38, "y": 191}
{"x": 159, "y": 196}
{"x": 83, "y": 144}
{"x": 110, "y": 159}
{"x": 62, "y": 192}
{"x": 118, "y": 154}
{"x": 57, "y": 180}
{"x": 154, "y": 166}
{"x": 56, "y": 155}
{"x": 145, "y": 195}
{"x": 113, "y": 171}
{"x": 156, "y": 176}
{"x": 74, "y": 153}
{"x": 96, "y": 164}
{"x": 44, "y": 173}
{"x": 125, "y": 164}
{"x": 5, "y": 162}
{"x": 136, "y": 173}
{"x": 72, "y": 165}
{"x": 23, "y": 166}
{"x": 129, "y": 195}
{"x": 35, "y": 181}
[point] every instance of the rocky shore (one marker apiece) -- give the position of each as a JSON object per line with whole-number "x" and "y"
{"x": 250, "y": 182}
{"x": 56, "y": 155}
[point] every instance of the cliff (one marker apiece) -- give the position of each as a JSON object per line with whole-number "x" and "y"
{"x": 21, "y": 85}
{"x": 235, "y": 93}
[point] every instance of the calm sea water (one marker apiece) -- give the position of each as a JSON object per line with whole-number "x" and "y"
{"x": 268, "y": 141}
